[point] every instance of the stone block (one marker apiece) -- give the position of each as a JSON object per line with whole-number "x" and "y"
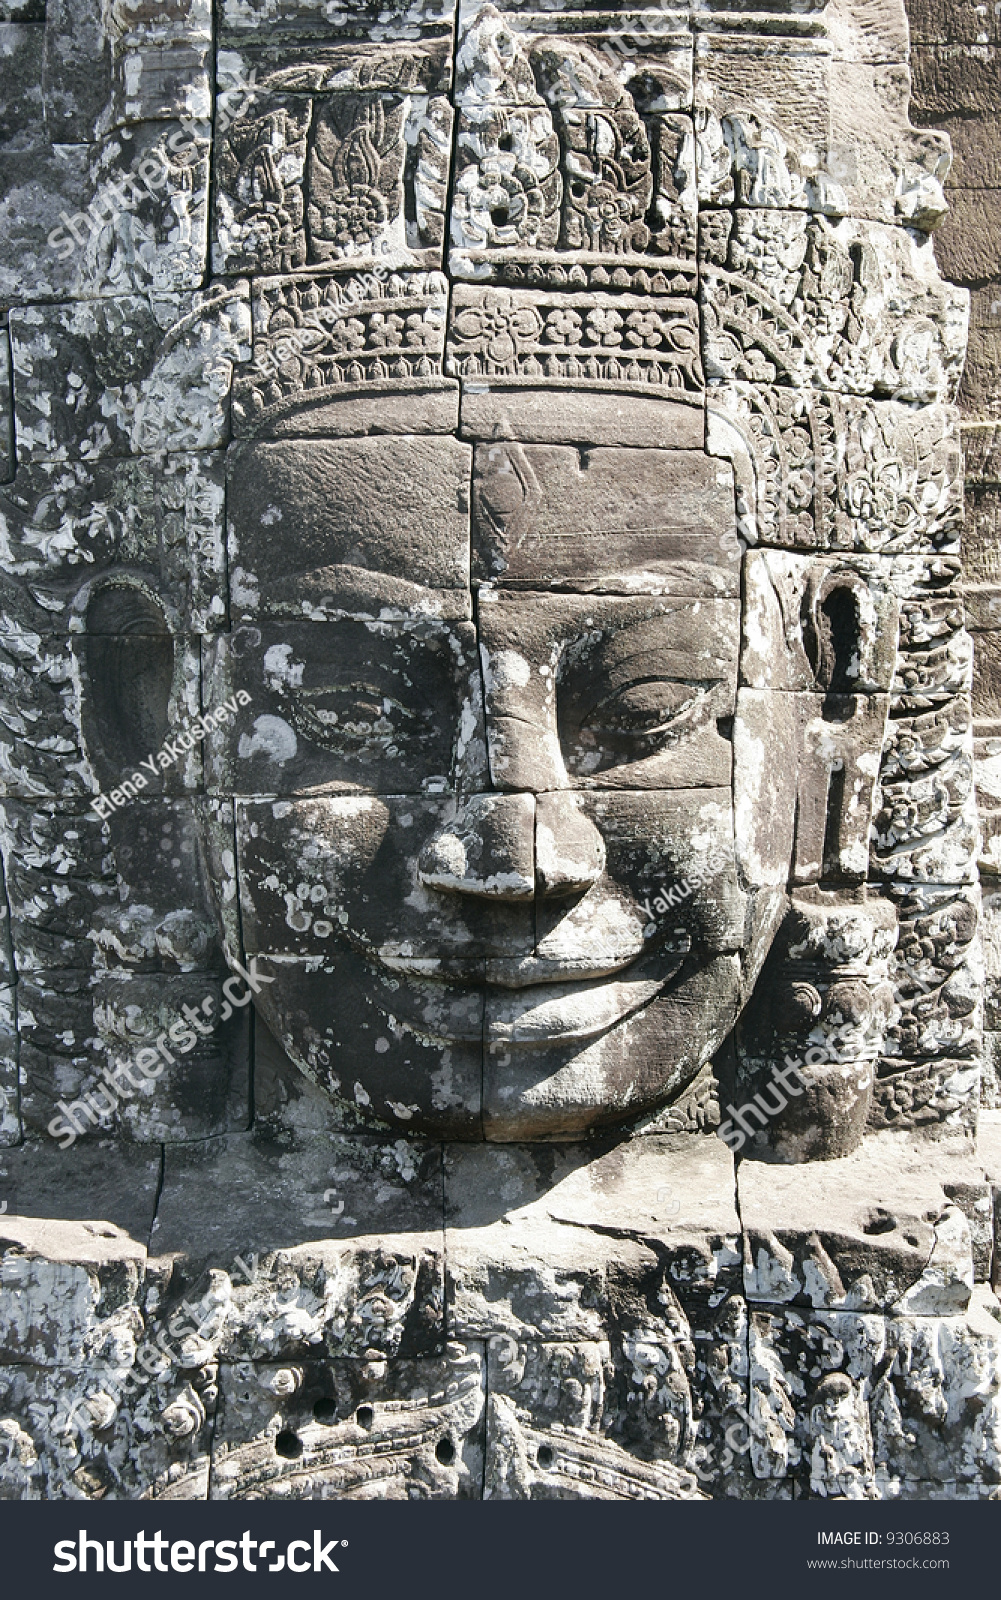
{"x": 937, "y": 1096}
{"x": 76, "y": 1027}
{"x": 952, "y": 22}
{"x": 151, "y": 374}
{"x": 113, "y": 1432}
{"x": 66, "y": 526}
{"x": 532, "y": 171}
{"x": 332, "y": 1248}
{"x": 980, "y": 391}
{"x": 7, "y": 454}
{"x": 287, "y": 1102}
{"x": 307, "y": 19}
{"x": 597, "y": 722}
{"x": 365, "y": 888}
{"x": 205, "y": 1089}
{"x": 352, "y": 1430}
{"x": 844, "y": 473}
{"x": 74, "y": 1253}
{"x": 982, "y": 545}
{"x": 859, "y": 1406}
{"x": 21, "y": 121}
{"x": 760, "y": 326}
{"x": 10, "y": 1108}
{"x": 175, "y": 19}
{"x": 312, "y": 215}
{"x": 568, "y": 1422}
{"x": 76, "y": 72}
{"x": 125, "y": 214}
{"x": 627, "y": 342}
{"x": 159, "y": 919}
{"x": 787, "y": 629}
{"x": 926, "y": 800}
{"x": 981, "y": 442}
{"x": 51, "y": 744}
{"x": 826, "y": 788}
{"x": 875, "y": 1231}
{"x": 343, "y": 707}
{"x": 937, "y": 973}
{"x": 36, "y": 186}
{"x": 986, "y": 686}
{"x": 967, "y": 246}
{"x": 58, "y": 1046}
{"x": 555, "y": 517}
{"x": 829, "y": 131}
{"x": 161, "y": 81}
{"x": 394, "y": 1042}
{"x": 564, "y": 1058}
{"x": 393, "y": 506}
{"x": 989, "y": 1156}
{"x": 976, "y": 150}
{"x": 56, "y": 874}
{"x": 587, "y": 417}
{"x": 562, "y": 1243}
{"x": 951, "y": 78}
{"x": 347, "y": 353}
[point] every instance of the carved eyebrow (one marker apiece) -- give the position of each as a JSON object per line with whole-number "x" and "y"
{"x": 336, "y": 591}
{"x": 650, "y": 646}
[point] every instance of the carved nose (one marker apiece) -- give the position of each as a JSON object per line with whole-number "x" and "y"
{"x": 488, "y": 849}
{"x": 569, "y": 850}
{"x": 513, "y": 846}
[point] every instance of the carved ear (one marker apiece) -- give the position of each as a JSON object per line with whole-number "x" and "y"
{"x": 837, "y": 631}
{"x": 848, "y": 644}
{"x": 127, "y": 673}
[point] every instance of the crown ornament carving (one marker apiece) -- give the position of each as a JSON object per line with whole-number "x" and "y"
{"x": 563, "y": 209}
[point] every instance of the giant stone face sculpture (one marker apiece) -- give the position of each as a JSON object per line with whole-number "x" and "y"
{"x": 559, "y": 481}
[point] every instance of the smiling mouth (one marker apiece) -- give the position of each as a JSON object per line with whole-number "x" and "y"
{"x": 526, "y": 1000}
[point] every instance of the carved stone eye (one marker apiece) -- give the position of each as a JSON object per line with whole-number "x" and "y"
{"x": 350, "y": 720}
{"x": 644, "y": 708}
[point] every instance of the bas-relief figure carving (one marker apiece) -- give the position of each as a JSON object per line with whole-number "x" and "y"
{"x": 549, "y": 445}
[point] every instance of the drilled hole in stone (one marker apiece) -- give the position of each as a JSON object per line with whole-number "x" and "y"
{"x": 505, "y": 142}
{"x": 445, "y": 1451}
{"x": 545, "y": 1456}
{"x": 879, "y": 1222}
{"x": 325, "y": 1411}
{"x": 364, "y": 1416}
{"x": 500, "y": 216}
{"x": 912, "y": 1240}
{"x": 288, "y": 1445}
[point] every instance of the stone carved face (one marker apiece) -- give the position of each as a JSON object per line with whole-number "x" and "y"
{"x": 485, "y": 792}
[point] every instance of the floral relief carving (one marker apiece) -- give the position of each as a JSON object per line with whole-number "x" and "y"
{"x": 355, "y": 171}
{"x": 507, "y": 333}
{"x": 261, "y": 177}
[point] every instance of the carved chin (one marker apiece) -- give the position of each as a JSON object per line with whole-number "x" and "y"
{"x": 546, "y": 1061}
